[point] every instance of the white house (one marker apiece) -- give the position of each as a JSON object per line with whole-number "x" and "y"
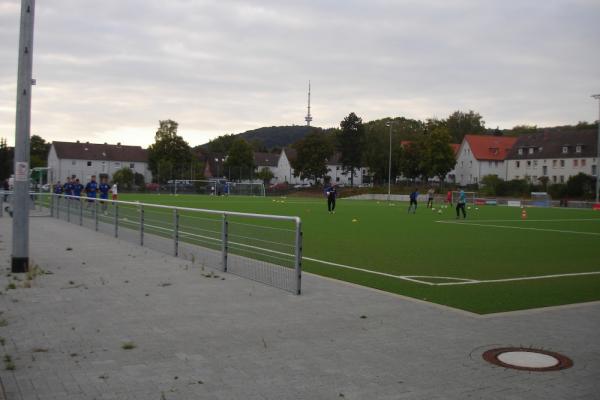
{"x": 82, "y": 160}
{"x": 556, "y": 155}
{"x": 481, "y": 155}
{"x": 340, "y": 176}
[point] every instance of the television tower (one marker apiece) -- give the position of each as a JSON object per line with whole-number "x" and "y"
{"x": 308, "y": 117}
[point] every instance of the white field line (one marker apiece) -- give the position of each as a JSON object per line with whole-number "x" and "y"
{"x": 410, "y": 278}
{"x": 538, "y": 220}
{"x": 520, "y": 227}
{"x": 523, "y": 278}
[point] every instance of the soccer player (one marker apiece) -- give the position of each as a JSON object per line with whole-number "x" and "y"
{"x": 58, "y": 188}
{"x": 413, "y": 201}
{"x": 331, "y": 193}
{"x": 104, "y": 189}
{"x": 114, "y": 191}
{"x": 430, "y": 194}
{"x": 449, "y": 198}
{"x": 462, "y": 200}
{"x": 90, "y": 190}
{"x": 76, "y": 188}
{"x": 67, "y": 188}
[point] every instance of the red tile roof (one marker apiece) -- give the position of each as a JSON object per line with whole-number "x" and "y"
{"x": 487, "y": 147}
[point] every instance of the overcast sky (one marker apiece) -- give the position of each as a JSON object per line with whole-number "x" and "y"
{"x": 108, "y": 70}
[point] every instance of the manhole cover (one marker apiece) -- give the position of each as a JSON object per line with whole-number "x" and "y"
{"x": 527, "y": 359}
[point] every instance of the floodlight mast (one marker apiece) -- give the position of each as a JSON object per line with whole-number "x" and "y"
{"x": 389, "y": 124}
{"x": 597, "y": 97}
{"x": 20, "y": 200}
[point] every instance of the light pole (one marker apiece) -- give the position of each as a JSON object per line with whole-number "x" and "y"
{"x": 597, "y": 97}
{"x": 389, "y": 124}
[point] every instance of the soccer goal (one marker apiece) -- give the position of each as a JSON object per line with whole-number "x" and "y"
{"x": 469, "y": 196}
{"x": 541, "y": 199}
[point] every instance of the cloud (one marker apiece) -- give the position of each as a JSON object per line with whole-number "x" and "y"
{"x": 113, "y": 68}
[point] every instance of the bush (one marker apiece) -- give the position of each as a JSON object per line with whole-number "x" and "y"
{"x": 581, "y": 186}
{"x": 557, "y": 191}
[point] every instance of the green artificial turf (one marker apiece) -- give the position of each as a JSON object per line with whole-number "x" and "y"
{"x": 382, "y": 237}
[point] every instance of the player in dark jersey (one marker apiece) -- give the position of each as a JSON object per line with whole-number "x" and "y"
{"x": 90, "y": 190}
{"x": 76, "y": 188}
{"x": 331, "y": 193}
{"x": 104, "y": 188}
{"x": 58, "y": 188}
{"x": 67, "y": 188}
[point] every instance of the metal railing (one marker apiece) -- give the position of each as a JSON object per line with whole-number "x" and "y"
{"x": 261, "y": 247}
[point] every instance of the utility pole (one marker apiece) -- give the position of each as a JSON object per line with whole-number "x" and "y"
{"x": 20, "y": 240}
{"x": 597, "y": 97}
{"x": 390, "y": 123}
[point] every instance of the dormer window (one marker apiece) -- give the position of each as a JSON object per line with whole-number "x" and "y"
{"x": 493, "y": 150}
{"x": 531, "y": 150}
{"x": 578, "y": 148}
{"x": 565, "y": 149}
{"x": 540, "y": 149}
{"x": 520, "y": 152}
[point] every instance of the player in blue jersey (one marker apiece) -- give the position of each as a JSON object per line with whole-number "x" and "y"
{"x": 58, "y": 188}
{"x": 67, "y": 188}
{"x": 90, "y": 190}
{"x": 460, "y": 206}
{"x": 331, "y": 193}
{"x": 76, "y": 188}
{"x": 104, "y": 188}
{"x": 414, "y": 195}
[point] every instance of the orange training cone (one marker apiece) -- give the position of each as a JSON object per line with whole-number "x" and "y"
{"x": 524, "y": 214}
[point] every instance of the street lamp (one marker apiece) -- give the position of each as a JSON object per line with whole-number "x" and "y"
{"x": 597, "y": 97}
{"x": 389, "y": 124}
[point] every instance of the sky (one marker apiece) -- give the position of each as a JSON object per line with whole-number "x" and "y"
{"x": 108, "y": 71}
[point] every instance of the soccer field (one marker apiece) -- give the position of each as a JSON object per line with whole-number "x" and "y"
{"x": 491, "y": 262}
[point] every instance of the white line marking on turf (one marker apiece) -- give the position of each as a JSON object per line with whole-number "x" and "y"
{"x": 523, "y": 278}
{"x": 538, "y": 220}
{"x": 520, "y": 227}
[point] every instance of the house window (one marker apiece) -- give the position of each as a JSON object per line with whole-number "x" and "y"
{"x": 337, "y": 168}
{"x": 576, "y": 163}
{"x": 535, "y": 163}
{"x": 489, "y": 164}
{"x": 540, "y": 149}
{"x": 528, "y": 164}
{"x": 520, "y": 152}
{"x": 73, "y": 162}
{"x": 553, "y": 163}
{"x": 132, "y": 165}
{"x": 594, "y": 167}
{"x": 470, "y": 163}
{"x": 337, "y": 179}
{"x": 578, "y": 148}
{"x": 565, "y": 149}
{"x": 531, "y": 150}
{"x": 562, "y": 163}
{"x": 496, "y": 164}
{"x": 554, "y": 178}
{"x": 89, "y": 163}
{"x": 518, "y": 164}
{"x": 583, "y": 162}
{"x": 462, "y": 163}
{"x": 562, "y": 179}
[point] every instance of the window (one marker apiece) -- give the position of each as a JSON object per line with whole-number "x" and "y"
{"x": 337, "y": 179}
{"x": 583, "y": 162}
{"x": 518, "y": 164}
{"x": 545, "y": 170}
{"x": 528, "y": 164}
{"x": 470, "y": 163}
{"x": 520, "y": 152}
{"x": 535, "y": 163}
{"x": 565, "y": 149}
{"x": 578, "y": 148}
{"x": 540, "y": 149}
{"x": 594, "y": 168}
{"x": 562, "y": 163}
{"x": 461, "y": 163}
{"x": 489, "y": 164}
{"x": 554, "y": 178}
{"x": 562, "y": 179}
{"x": 531, "y": 150}
{"x": 496, "y": 164}
{"x": 553, "y": 163}
{"x": 73, "y": 162}
{"x": 576, "y": 163}
{"x": 337, "y": 168}
{"x": 89, "y": 163}
{"x": 132, "y": 165}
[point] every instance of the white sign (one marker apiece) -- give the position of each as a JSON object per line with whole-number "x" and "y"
{"x": 22, "y": 171}
{"x": 513, "y": 203}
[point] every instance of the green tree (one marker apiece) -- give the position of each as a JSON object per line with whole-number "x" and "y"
{"x": 581, "y": 186}
{"x": 6, "y": 160}
{"x": 221, "y": 144}
{"x": 377, "y": 149}
{"x": 124, "y": 178}
{"x": 350, "y": 143}
{"x": 312, "y": 153}
{"x": 411, "y": 164}
{"x": 38, "y": 150}
{"x": 240, "y": 158}
{"x": 438, "y": 156}
{"x": 265, "y": 175}
{"x": 169, "y": 150}
{"x": 460, "y": 124}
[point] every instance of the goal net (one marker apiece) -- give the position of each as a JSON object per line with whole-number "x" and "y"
{"x": 469, "y": 196}
{"x": 216, "y": 187}
{"x": 540, "y": 199}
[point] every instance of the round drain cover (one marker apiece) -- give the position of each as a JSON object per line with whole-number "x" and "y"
{"x": 527, "y": 359}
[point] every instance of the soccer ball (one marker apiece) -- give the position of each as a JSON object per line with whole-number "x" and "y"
{"x": 439, "y": 211}
{"x": 476, "y": 208}
{"x": 432, "y": 208}
{"x": 468, "y": 208}
{"x": 354, "y": 220}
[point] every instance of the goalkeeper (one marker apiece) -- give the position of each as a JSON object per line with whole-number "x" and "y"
{"x": 331, "y": 193}
{"x": 460, "y": 206}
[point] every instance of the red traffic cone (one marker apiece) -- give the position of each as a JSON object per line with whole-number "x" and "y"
{"x": 524, "y": 214}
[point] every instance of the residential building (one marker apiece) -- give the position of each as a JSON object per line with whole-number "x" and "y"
{"x": 340, "y": 176}
{"x": 556, "y": 155}
{"x": 481, "y": 155}
{"x": 66, "y": 159}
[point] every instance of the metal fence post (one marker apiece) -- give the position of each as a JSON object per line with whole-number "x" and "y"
{"x": 175, "y": 232}
{"x": 224, "y": 240}
{"x": 116, "y": 220}
{"x": 68, "y": 210}
{"x": 96, "y": 216}
{"x": 58, "y": 207}
{"x": 141, "y": 225}
{"x": 80, "y": 213}
{"x": 298, "y": 257}
{"x": 51, "y": 205}
{"x": 2, "y": 203}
